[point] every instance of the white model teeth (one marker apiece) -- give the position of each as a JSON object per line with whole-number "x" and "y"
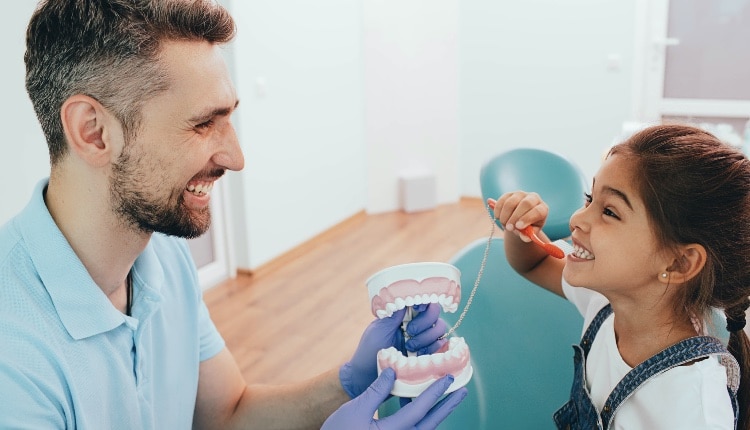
{"x": 399, "y": 303}
{"x": 582, "y": 253}
{"x": 201, "y": 188}
{"x": 457, "y": 348}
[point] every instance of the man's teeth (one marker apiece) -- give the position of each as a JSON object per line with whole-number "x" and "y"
{"x": 200, "y": 189}
{"x": 399, "y": 303}
{"x": 582, "y": 253}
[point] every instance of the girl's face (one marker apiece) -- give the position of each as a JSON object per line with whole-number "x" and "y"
{"x": 616, "y": 251}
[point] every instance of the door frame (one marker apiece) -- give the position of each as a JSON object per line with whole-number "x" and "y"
{"x": 223, "y": 266}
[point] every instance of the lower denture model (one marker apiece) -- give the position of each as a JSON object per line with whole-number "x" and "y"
{"x": 404, "y": 286}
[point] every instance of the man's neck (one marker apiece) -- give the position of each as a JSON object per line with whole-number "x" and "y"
{"x": 106, "y": 246}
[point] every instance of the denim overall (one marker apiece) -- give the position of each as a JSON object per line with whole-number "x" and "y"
{"x": 580, "y": 413}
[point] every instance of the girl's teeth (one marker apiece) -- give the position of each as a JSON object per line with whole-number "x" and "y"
{"x": 582, "y": 253}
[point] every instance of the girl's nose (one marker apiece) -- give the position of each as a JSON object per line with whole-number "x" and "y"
{"x": 578, "y": 220}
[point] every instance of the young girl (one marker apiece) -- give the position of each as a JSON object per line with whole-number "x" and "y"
{"x": 662, "y": 240}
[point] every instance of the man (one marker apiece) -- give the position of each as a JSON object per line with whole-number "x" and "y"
{"x": 102, "y": 324}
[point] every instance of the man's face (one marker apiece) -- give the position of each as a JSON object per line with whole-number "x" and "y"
{"x": 163, "y": 178}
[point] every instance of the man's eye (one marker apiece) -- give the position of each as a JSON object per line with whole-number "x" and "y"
{"x": 205, "y": 125}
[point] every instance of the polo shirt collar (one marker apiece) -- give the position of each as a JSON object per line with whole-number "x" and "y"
{"x": 82, "y": 306}
{"x": 148, "y": 278}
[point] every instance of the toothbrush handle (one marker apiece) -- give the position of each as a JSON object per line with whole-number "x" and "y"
{"x": 529, "y": 232}
{"x": 549, "y": 248}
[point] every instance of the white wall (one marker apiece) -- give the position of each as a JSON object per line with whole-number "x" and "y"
{"x": 411, "y": 97}
{"x": 535, "y": 73}
{"x": 24, "y": 160}
{"x": 299, "y": 78}
{"x": 338, "y": 97}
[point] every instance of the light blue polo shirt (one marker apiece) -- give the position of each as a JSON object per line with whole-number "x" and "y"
{"x": 70, "y": 360}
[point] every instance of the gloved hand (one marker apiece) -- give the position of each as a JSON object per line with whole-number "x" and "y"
{"x": 422, "y": 413}
{"x": 425, "y": 329}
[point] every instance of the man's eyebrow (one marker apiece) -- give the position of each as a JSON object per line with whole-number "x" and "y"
{"x": 617, "y": 193}
{"x": 222, "y": 111}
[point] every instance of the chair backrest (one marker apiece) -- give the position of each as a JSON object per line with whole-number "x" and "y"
{"x": 519, "y": 336}
{"x": 556, "y": 179}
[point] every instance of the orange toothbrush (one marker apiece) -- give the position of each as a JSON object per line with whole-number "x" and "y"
{"x": 550, "y": 248}
{"x": 529, "y": 232}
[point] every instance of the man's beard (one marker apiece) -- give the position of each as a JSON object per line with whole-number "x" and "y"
{"x": 145, "y": 213}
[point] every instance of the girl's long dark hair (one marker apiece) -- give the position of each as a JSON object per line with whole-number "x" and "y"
{"x": 697, "y": 190}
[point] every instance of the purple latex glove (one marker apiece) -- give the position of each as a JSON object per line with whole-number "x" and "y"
{"x": 425, "y": 329}
{"x": 422, "y": 413}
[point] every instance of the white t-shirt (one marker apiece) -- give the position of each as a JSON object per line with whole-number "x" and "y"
{"x": 685, "y": 397}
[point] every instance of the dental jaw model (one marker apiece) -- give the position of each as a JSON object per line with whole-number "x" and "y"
{"x": 404, "y": 286}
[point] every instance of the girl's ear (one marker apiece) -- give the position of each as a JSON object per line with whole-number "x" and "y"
{"x": 85, "y": 122}
{"x": 687, "y": 265}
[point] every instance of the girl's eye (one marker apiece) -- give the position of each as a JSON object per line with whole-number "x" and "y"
{"x": 608, "y": 212}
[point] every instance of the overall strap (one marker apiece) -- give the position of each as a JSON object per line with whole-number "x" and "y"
{"x": 596, "y": 323}
{"x": 676, "y": 355}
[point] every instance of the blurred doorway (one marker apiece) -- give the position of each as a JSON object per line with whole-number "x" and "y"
{"x": 695, "y": 64}
{"x": 211, "y": 251}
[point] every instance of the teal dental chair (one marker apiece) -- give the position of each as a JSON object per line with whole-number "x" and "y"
{"x": 519, "y": 334}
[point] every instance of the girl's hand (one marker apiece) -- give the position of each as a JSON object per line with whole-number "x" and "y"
{"x": 518, "y": 209}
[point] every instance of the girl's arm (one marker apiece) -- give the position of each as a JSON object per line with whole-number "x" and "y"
{"x": 533, "y": 263}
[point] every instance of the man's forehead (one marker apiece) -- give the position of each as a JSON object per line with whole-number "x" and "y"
{"x": 198, "y": 76}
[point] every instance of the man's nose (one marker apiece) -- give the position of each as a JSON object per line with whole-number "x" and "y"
{"x": 230, "y": 154}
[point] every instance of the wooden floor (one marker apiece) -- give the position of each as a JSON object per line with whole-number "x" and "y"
{"x": 303, "y": 313}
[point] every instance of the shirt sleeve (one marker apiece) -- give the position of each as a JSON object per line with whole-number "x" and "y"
{"x": 211, "y": 342}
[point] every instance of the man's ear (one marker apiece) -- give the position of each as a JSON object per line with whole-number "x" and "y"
{"x": 691, "y": 261}
{"x": 85, "y": 123}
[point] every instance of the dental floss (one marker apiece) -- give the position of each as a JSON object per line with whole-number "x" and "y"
{"x": 478, "y": 279}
